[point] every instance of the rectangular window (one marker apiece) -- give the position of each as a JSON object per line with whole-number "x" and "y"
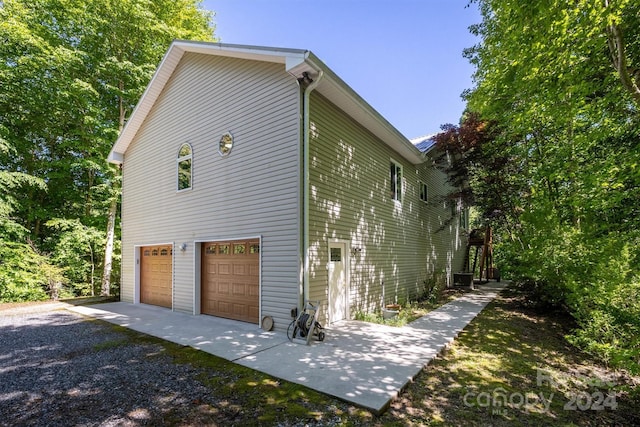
{"x": 336, "y": 255}
{"x": 424, "y": 193}
{"x": 464, "y": 218}
{"x": 396, "y": 181}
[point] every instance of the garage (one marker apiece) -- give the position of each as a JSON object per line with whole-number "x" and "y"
{"x": 156, "y": 275}
{"x": 230, "y": 278}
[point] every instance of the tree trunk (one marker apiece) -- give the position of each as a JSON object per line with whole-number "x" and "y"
{"x": 108, "y": 249}
{"x": 615, "y": 41}
{"x": 113, "y": 209}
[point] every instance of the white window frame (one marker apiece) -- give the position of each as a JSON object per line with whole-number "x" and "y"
{"x": 397, "y": 191}
{"x": 181, "y": 159}
{"x": 421, "y": 185}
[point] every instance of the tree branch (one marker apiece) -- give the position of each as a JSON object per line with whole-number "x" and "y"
{"x": 615, "y": 41}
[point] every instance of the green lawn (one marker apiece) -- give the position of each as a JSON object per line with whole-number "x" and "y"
{"x": 513, "y": 367}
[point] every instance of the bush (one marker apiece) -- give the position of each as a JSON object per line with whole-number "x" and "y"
{"x": 590, "y": 276}
{"x": 26, "y": 275}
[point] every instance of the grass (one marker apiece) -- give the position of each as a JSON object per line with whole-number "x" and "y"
{"x": 513, "y": 367}
{"x": 510, "y": 367}
{"x": 413, "y": 310}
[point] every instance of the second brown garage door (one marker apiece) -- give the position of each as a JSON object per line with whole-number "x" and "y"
{"x": 231, "y": 279}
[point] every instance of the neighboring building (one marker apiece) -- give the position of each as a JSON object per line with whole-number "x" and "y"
{"x": 254, "y": 178}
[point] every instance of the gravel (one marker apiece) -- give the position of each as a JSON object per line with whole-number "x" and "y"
{"x": 59, "y": 369}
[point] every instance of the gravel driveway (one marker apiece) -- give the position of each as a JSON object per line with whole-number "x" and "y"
{"x": 59, "y": 369}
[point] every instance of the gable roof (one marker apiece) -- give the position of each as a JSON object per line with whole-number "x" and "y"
{"x": 296, "y": 62}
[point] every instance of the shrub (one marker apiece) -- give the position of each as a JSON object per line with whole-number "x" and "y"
{"x": 589, "y": 275}
{"x": 26, "y": 275}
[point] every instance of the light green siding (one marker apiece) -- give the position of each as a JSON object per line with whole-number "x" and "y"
{"x": 402, "y": 244}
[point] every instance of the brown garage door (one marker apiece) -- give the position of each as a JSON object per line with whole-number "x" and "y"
{"x": 155, "y": 275}
{"x": 231, "y": 279}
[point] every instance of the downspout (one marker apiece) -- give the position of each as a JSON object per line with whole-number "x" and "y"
{"x": 305, "y": 184}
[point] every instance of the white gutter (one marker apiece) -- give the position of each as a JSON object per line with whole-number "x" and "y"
{"x": 305, "y": 185}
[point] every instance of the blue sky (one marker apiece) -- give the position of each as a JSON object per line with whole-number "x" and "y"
{"x": 404, "y": 57}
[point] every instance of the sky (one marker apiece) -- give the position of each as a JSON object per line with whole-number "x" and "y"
{"x": 404, "y": 57}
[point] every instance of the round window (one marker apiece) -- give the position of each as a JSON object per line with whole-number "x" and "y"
{"x": 226, "y": 143}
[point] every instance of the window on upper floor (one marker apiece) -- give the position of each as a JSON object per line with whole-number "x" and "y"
{"x": 395, "y": 178}
{"x": 464, "y": 218}
{"x": 424, "y": 191}
{"x": 183, "y": 168}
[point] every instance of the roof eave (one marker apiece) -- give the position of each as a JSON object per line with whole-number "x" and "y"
{"x": 343, "y": 96}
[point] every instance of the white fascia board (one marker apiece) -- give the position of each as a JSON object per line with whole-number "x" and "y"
{"x": 115, "y": 157}
{"x": 254, "y": 53}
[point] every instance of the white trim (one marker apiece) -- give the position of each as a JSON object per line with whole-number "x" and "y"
{"x": 136, "y": 263}
{"x": 401, "y": 181}
{"x": 426, "y": 191}
{"x": 228, "y": 133}
{"x": 197, "y": 266}
{"x": 347, "y": 271}
{"x": 180, "y": 159}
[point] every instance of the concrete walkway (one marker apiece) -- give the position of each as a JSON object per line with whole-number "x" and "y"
{"x": 363, "y": 363}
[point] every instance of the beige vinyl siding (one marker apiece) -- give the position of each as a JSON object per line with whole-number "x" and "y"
{"x": 351, "y": 200}
{"x": 254, "y": 191}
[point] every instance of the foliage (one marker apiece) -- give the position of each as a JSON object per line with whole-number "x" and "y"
{"x": 71, "y": 72}
{"x": 481, "y": 170}
{"x": 557, "y": 83}
{"x": 26, "y": 275}
{"x": 78, "y": 250}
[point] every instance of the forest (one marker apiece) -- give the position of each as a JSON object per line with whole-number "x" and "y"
{"x": 71, "y": 73}
{"x": 548, "y": 151}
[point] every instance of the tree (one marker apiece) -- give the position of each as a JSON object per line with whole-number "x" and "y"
{"x": 71, "y": 73}
{"x": 558, "y": 82}
{"x": 481, "y": 171}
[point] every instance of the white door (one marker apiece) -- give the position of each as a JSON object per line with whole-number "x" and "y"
{"x": 337, "y": 282}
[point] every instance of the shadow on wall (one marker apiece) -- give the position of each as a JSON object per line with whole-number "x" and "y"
{"x": 349, "y": 192}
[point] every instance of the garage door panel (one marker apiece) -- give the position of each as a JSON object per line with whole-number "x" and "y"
{"x": 239, "y": 290}
{"x": 224, "y": 307}
{"x": 224, "y": 268}
{"x": 254, "y": 291}
{"x": 223, "y": 288}
{"x": 230, "y": 287}
{"x": 239, "y": 269}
